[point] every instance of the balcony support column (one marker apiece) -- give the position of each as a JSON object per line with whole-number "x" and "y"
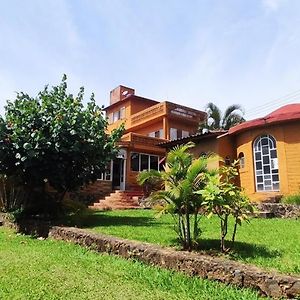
{"x": 166, "y": 128}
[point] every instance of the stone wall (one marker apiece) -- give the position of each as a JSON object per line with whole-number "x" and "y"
{"x": 280, "y": 210}
{"x": 227, "y": 271}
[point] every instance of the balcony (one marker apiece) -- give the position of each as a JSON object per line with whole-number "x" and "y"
{"x": 166, "y": 109}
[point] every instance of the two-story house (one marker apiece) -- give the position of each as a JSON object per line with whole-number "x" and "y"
{"x": 148, "y": 123}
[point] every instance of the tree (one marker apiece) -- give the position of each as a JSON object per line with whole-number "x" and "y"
{"x": 233, "y": 115}
{"x": 221, "y": 197}
{"x": 54, "y": 139}
{"x": 182, "y": 177}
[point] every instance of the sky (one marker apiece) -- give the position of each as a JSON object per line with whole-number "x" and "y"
{"x": 188, "y": 52}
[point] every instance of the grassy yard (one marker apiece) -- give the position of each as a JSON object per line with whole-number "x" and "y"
{"x": 48, "y": 269}
{"x": 269, "y": 243}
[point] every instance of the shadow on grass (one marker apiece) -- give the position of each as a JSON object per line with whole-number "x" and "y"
{"x": 240, "y": 250}
{"x": 104, "y": 220}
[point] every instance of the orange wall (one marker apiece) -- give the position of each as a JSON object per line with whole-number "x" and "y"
{"x": 191, "y": 128}
{"x": 139, "y": 105}
{"x": 288, "y": 153}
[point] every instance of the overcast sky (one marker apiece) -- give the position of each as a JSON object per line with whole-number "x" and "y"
{"x": 189, "y": 52}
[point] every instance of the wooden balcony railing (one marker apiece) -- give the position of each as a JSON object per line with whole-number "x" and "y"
{"x": 165, "y": 108}
{"x": 148, "y": 114}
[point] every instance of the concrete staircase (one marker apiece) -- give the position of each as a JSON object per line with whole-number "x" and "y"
{"x": 119, "y": 200}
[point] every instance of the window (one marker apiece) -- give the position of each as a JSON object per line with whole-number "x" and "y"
{"x": 242, "y": 160}
{"x": 140, "y": 162}
{"x": 185, "y": 133}
{"x": 266, "y": 163}
{"x": 106, "y": 175}
{"x": 135, "y": 162}
{"x": 173, "y": 133}
{"x": 117, "y": 115}
{"x": 156, "y": 134}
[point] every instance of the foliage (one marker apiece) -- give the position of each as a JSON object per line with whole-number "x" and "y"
{"x": 233, "y": 115}
{"x": 291, "y": 199}
{"x": 150, "y": 181}
{"x": 55, "y": 139}
{"x": 223, "y": 198}
{"x": 183, "y": 176}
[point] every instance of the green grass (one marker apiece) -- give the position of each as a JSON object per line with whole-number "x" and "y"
{"x": 268, "y": 243}
{"x": 49, "y": 269}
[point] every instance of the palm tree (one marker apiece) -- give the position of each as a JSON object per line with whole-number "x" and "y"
{"x": 182, "y": 177}
{"x": 233, "y": 115}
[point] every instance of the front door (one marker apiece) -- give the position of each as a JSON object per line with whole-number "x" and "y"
{"x": 118, "y": 178}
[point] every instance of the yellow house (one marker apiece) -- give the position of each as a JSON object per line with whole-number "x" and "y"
{"x": 268, "y": 149}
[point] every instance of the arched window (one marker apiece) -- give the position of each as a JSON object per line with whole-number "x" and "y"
{"x": 266, "y": 163}
{"x": 242, "y": 160}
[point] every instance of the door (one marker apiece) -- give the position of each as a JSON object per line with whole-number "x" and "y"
{"x": 118, "y": 178}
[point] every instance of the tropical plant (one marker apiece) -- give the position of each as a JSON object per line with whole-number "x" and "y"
{"x": 182, "y": 177}
{"x": 222, "y": 197}
{"x": 150, "y": 181}
{"x": 233, "y": 115}
{"x": 54, "y": 140}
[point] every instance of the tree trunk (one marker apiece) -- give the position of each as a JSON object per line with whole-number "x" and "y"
{"x": 224, "y": 225}
{"x": 234, "y": 231}
{"x": 188, "y": 229}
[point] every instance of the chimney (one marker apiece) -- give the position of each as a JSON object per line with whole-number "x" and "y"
{"x": 120, "y": 93}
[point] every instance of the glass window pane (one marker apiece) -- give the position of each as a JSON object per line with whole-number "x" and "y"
{"x": 173, "y": 133}
{"x": 259, "y": 179}
{"x": 258, "y": 165}
{"x": 266, "y": 160}
{"x": 135, "y": 162}
{"x": 265, "y": 150}
{"x": 260, "y": 187}
{"x": 267, "y": 170}
{"x": 154, "y": 162}
{"x": 144, "y": 162}
{"x": 267, "y": 182}
{"x": 257, "y": 156}
{"x": 264, "y": 141}
{"x": 273, "y": 154}
{"x": 275, "y": 177}
{"x": 276, "y": 186}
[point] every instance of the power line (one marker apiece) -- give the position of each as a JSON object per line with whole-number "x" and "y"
{"x": 271, "y": 104}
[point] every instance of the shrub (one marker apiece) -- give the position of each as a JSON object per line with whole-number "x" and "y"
{"x": 291, "y": 199}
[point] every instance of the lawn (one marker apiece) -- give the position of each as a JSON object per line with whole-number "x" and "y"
{"x": 49, "y": 269}
{"x": 269, "y": 243}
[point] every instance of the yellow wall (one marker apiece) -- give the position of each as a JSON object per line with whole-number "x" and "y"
{"x": 288, "y": 153}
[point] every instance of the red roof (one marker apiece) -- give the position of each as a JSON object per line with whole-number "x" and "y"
{"x": 290, "y": 112}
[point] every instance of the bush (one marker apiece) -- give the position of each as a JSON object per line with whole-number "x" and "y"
{"x": 291, "y": 199}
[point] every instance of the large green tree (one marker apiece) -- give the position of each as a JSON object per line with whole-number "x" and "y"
{"x": 233, "y": 115}
{"x": 54, "y": 138}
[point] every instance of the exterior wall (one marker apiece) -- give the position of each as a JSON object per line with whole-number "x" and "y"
{"x": 191, "y": 128}
{"x": 288, "y": 153}
{"x": 151, "y": 128}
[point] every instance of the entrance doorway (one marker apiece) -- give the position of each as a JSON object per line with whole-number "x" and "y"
{"x": 118, "y": 178}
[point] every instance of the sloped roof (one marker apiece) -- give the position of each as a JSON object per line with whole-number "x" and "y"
{"x": 192, "y": 138}
{"x": 290, "y": 112}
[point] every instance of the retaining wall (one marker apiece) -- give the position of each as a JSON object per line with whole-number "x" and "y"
{"x": 269, "y": 284}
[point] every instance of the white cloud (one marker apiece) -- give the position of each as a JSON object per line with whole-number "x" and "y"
{"x": 272, "y": 5}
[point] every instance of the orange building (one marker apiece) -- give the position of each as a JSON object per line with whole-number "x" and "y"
{"x": 147, "y": 124}
{"x": 268, "y": 149}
